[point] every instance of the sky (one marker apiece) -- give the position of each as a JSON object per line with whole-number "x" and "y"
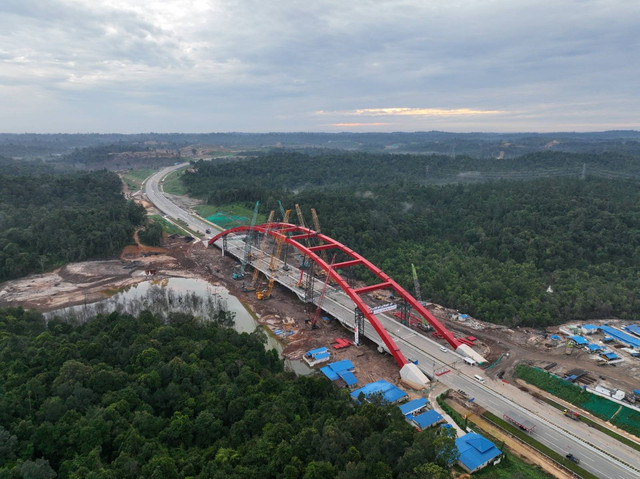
{"x": 132, "y": 66}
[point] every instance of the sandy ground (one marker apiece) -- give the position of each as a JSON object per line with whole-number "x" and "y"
{"x": 87, "y": 282}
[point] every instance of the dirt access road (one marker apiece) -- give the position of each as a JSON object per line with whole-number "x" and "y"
{"x": 87, "y": 282}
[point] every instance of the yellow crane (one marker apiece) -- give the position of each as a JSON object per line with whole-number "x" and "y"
{"x": 273, "y": 264}
{"x": 263, "y": 245}
{"x": 316, "y": 224}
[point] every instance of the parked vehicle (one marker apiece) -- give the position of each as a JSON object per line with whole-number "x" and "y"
{"x": 479, "y": 378}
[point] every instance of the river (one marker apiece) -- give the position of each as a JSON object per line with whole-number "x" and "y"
{"x": 187, "y": 295}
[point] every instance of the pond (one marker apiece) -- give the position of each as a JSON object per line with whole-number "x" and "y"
{"x": 187, "y": 295}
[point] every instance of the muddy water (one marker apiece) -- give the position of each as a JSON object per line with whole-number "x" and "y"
{"x": 187, "y": 295}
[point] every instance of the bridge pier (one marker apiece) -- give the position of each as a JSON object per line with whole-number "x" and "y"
{"x": 413, "y": 377}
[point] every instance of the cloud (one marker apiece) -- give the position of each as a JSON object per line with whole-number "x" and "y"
{"x": 249, "y": 65}
{"x": 416, "y": 112}
{"x": 358, "y": 125}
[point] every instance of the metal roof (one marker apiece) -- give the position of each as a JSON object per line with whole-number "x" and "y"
{"x": 475, "y": 450}
{"x": 412, "y": 406}
{"x": 427, "y": 419}
{"x": 621, "y": 336}
{"x": 634, "y": 329}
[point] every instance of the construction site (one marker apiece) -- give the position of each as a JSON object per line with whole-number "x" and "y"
{"x": 294, "y": 291}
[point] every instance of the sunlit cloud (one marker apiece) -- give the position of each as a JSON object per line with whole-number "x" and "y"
{"x": 349, "y": 125}
{"x": 414, "y": 112}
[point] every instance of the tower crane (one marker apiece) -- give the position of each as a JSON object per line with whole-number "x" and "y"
{"x": 316, "y": 225}
{"x": 316, "y": 316}
{"x": 238, "y": 272}
{"x": 273, "y": 264}
{"x": 305, "y": 262}
{"x": 263, "y": 245}
{"x": 416, "y": 286}
{"x": 416, "y": 283}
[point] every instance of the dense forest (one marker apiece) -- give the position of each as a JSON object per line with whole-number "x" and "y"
{"x": 146, "y": 397}
{"x": 477, "y": 145}
{"x": 47, "y": 220}
{"x": 491, "y": 249}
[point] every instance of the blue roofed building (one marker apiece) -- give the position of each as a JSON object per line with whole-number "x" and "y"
{"x": 341, "y": 370}
{"x": 555, "y": 337}
{"x": 579, "y": 340}
{"x": 317, "y": 356}
{"x": 412, "y": 407}
{"x": 589, "y": 328}
{"x": 476, "y": 452}
{"x": 388, "y": 392}
{"x": 427, "y": 419}
{"x": 633, "y": 329}
{"x": 610, "y": 356}
{"x": 594, "y": 348}
{"x": 621, "y": 336}
{"x": 348, "y": 377}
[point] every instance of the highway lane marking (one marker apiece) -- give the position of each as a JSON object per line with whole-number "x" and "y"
{"x": 490, "y": 392}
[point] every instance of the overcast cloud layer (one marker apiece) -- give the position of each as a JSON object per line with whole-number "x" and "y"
{"x": 319, "y": 65}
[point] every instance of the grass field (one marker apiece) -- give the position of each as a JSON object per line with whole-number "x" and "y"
{"x": 173, "y": 183}
{"x": 141, "y": 174}
{"x": 511, "y": 467}
{"x": 134, "y": 178}
{"x": 167, "y": 227}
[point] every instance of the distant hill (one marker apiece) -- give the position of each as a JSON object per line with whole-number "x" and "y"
{"x": 478, "y": 145}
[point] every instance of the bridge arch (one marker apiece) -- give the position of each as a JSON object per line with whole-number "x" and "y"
{"x": 293, "y": 235}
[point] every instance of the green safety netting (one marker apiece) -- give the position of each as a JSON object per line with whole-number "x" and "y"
{"x": 629, "y": 420}
{"x": 600, "y": 407}
{"x": 225, "y": 220}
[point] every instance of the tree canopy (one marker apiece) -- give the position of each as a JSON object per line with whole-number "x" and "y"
{"x": 126, "y": 397}
{"x": 48, "y": 220}
{"x": 488, "y": 248}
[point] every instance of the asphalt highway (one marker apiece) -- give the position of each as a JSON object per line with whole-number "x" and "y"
{"x": 598, "y": 453}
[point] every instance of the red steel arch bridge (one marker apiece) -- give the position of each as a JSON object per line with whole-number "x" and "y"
{"x": 311, "y": 244}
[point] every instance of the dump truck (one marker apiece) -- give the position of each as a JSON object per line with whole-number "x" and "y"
{"x": 572, "y": 414}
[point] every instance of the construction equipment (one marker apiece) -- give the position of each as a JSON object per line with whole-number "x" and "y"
{"x": 265, "y": 293}
{"x": 316, "y": 316}
{"x": 273, "y": 264}
{"x": 405, "y": 316}
{"x": 304, "y": 263}
{"x": 316, "y": 225}
{"x": 572, "y": 414}
{"x": 263, "y": 245}
{"x": 238, "y": 273}
{"x": 416, "y": 283}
